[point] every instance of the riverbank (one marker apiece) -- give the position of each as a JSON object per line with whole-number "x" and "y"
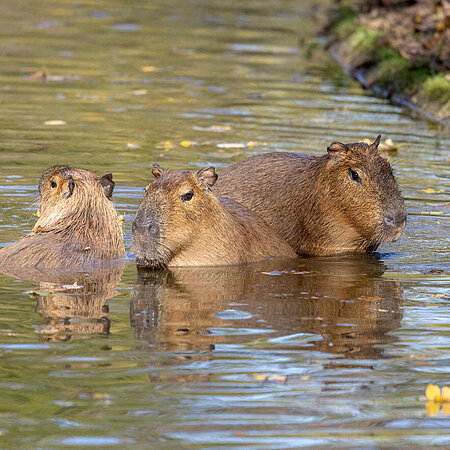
{"x": 400, "y": 51}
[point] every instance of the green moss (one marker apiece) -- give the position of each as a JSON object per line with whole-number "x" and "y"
{"x": 437, "y": 88}
{"x": 364, "y": 40}
{"x": 396, "y": 72}
{"x": 344, "y": 22}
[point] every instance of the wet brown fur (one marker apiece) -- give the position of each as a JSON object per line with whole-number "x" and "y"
{"x": 203, "y": 231}
{"x": 78, "y": 224}
{"x": 313, "y": 203}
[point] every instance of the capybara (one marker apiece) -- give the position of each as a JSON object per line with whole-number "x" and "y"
{"x": 78, "y": 225}
{"x": 344, "y": 201}
{"x": 180, "y": 222}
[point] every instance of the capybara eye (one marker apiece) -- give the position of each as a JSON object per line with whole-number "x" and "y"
{"x": 188, "y": 196}
{"x": 71, "y": 186}
{"x": 53, "y": 184}
{"x": 354, "y": 175}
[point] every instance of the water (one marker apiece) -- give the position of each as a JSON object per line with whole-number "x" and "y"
{"x": 322, "y": 351}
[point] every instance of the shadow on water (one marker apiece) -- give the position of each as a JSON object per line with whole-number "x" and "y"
{"x": 345, "y": 301}
{"x": 73, "y": 304}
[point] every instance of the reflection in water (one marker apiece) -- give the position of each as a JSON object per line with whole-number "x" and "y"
{"x": 76, "y": 307}
{"x": 344, "y": 300}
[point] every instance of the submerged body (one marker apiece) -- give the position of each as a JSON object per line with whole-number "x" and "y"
{"x": 78, "y": 225}
{"x": 345, "y": 201}
{"x": 180, "y": 222}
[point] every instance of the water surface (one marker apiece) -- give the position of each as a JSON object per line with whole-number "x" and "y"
{"x": 320, "y": 351}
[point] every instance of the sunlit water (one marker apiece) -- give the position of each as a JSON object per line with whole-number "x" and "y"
{"x": 323, "y": 351}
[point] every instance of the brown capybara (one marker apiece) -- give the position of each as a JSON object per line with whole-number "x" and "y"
{"x": 180, "y": 222}
{"x": 345, "y": 201}
{"x": 77, "y": 226}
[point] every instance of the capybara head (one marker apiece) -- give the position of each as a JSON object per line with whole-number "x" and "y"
{"x": 67, "y": 192}
{"x": 175, "y": 209}
{"x": 78, "y": 224}
{"x": 364, "y": 193}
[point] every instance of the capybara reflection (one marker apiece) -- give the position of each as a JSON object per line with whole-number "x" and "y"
{"x": 77, "y": 226}
{"x": 345, "y": 201}
{"x": 344, "y": 300}
{"x": 180, "y": 222}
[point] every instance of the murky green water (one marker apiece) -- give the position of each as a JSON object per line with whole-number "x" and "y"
{"x": 325, "y": 351}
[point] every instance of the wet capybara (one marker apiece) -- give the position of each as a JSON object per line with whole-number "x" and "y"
{"x": 77, "y": 226}
{"x": 345, "y": 201}
{"x": 180, "y": 222}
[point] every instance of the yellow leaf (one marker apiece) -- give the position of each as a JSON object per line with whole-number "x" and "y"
{"x": 149, "y": 69}
{"x": 446, "y": 409}
{"x": 433, "y": 393}
{"x": 121, "y": 218}
{"x": 55, "y": 122}
{"x": 445, "y": 394}
{"x": 304, "y": 378}
{"x": 139, "y": 92}
{"x": 98, "y": 395}
{"x": 428, "y": 190}
{"x": 433, "y": 408}
{"x": 259, "y": 377}
{"x": 37, "y": 214}
{"x": 130, "y": 146}
{"x": 281, "y": 378}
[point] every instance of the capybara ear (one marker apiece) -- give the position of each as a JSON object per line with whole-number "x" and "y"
{"x": 207, "y": 176}
{"x": 108, "y": 185}
{"x": 157, "y": 171}
{"x": 337, "y": 150}
{"x": 374, "y": 146}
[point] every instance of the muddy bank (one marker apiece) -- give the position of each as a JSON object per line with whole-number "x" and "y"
{"x": 399, "y": 49}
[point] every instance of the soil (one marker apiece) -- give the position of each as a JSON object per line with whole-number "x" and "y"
{"x": 400, "y": 49}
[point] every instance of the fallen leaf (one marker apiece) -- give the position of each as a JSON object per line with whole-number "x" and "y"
{"x": 130, "y": 146}
{"x": 188, "y": 143}
{"x": 278, "y": 378}
{"x": 259, "y": 377}
{"x": 149, "y": 69}
{"x": 139, "y": 92}
{"x": 214, "y": 128}
{"x": 55, "y": 122}
{"x": 231, "y": 145}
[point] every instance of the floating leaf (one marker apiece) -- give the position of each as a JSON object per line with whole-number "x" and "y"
{"x": 188, "y": 143}
{"x": 139, "y": 92}
{"x": 431, "y": 191}
{"x": 121, "y": 218}
{"x": 55, "y": 122}
{"x": 214, "y": 128}
{"x": 231, "y": 145}
{"x": 131, "y": 146}
{"x": 149, "y": 69}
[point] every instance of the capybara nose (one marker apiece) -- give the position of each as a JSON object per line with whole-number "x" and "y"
{"x": 398, "y": 220}
{"x": 145, "y": 226}
{"x": 389, "y": 220}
